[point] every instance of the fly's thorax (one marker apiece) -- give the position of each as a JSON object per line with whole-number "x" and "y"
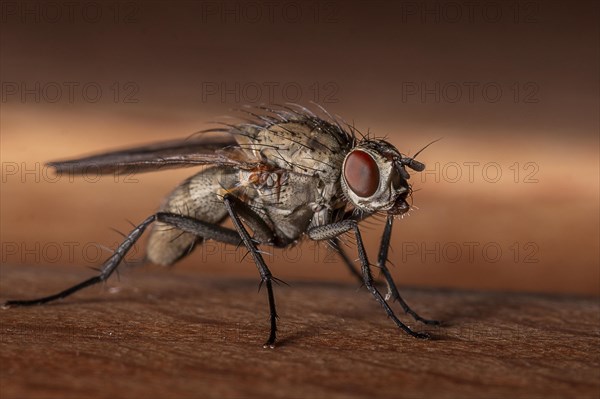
{"x": 373, "y": 178}
{"x": 263, "y": 182}
{"x": 278, "y": 188}
{"x": 311, "y": 151}
{"x": 301, "y": 147}
{"x": 286, "y": 200}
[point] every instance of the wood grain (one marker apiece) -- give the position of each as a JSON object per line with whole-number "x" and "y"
{"x": 164, "y": 333}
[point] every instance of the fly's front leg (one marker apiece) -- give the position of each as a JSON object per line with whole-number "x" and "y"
{"x": 337, "y": 247}
{"x": 335, "y": 229}
{"x": 392, "y": 289}
{"x": 236, "y": 208}
{"x": 342, "y": 253}
{"x": 349, "y": 265}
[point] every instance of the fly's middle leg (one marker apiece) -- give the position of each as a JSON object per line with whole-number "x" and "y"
{"x": 238, "y": 210}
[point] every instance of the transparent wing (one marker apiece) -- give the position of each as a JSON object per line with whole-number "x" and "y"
{"x": 222, "y": 150}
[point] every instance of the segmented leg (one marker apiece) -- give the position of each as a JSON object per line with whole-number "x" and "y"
{"x": 349, "y": 265}
{"x": 191, "y": 225}
{"x": 236, "y": 208}
{"x": 107, "y": 268}
{"x": 392, "y": 289}
{"x": 334, "y": 230}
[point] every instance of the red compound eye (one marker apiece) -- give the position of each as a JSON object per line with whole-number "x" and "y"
{"x": 361, "y": 173}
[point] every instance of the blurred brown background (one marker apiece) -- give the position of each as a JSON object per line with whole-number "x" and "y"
{"x": 510, "y": 198}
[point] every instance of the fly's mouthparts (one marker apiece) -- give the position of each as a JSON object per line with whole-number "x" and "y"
{"x": 400, "y": 207}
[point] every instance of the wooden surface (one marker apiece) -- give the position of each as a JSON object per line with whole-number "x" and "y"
{"x": 171, "y": 334}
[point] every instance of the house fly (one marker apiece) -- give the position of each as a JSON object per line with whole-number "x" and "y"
{"x": 281, "y": 175}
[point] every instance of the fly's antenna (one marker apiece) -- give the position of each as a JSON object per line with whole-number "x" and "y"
{"x": 421, "y": 150}
{"x": 412, "y": 163}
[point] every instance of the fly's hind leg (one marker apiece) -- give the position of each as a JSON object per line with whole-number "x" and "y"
{"x": 262, "y": 233}
{"x": 107, "y": 269}
{"x": 184, "y": 223}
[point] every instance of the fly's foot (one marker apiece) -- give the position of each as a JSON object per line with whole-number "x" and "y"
{"x": 270, "y": 344}
{"x": 421, "y": 335}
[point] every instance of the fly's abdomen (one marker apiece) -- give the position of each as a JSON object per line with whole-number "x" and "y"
{"x": 197, "y": 197}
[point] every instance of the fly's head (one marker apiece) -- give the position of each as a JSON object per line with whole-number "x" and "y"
{"x": 374, "y": 177}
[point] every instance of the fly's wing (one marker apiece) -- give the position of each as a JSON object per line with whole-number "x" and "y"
{"x": 222, "y": 150}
